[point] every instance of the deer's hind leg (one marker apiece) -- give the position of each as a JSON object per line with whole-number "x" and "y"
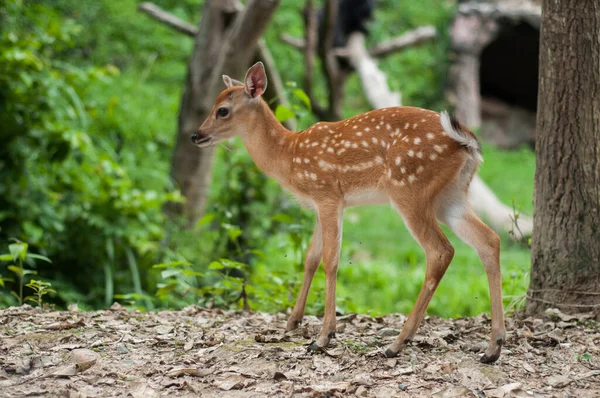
{"x": 421, "y": 222}
{"x": 470, "y": 229}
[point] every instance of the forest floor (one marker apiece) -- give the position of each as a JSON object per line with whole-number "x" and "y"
{"x": 199, "y": 352}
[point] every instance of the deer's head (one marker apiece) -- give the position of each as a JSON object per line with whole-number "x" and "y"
{"x": 234, "y": 110}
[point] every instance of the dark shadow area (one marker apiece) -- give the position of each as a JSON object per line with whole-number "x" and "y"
{"x": 509, "y": 66}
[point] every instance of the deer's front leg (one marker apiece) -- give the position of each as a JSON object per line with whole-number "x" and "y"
{"x": 311, "y": 263}
{"x": 330, "y": 216}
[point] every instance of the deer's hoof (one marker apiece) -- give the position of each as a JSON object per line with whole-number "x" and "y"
{"x": 490, "y": 358}
{"x": 314, "y": 348}
{"x": 390, "y": 354}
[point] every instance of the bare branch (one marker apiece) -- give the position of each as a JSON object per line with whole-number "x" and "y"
{"x": 411, "y": 38}
{"x": 169, "y": 19}
{"x": 297, "y": 42}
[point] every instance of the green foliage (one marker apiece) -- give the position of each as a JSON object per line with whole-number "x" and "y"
{"x": 40, "y": 289}
{"x": 65, "y": 187}
{"x": 18, "y": 254}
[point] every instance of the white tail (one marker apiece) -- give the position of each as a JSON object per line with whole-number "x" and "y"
{"x": 420, "y": 161}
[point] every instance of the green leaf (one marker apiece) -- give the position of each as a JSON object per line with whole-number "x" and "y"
{"x": 170, "y": 272}
{"x": 15, "y": 269}
{"x": 18, "y": 250}
{"x": 215, "y": 265}
{"x": 282, "y": 217}
{"x": 206, "y": 219}
{"x": 39, "y": 257}
{"x": 6, "y": 257}
{"x": 283, "y": 113}
{"x": 232, "y": 263}
{"x": 172, "y": 264}
{"x": 301, "y": 95}
{"x": 189, "y": 272}
{"x": 233, "y": 231}
{"x": 163, "y": 291}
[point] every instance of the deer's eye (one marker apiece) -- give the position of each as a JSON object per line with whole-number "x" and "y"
{"x": 222, "y": 112}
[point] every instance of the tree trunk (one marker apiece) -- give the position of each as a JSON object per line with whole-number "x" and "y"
{"x": 565, "y": 271}
{"x": 225, "y": 44}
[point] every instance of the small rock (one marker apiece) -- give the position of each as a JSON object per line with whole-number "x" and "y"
{"x": 402, "y": 387}
{"x": 387, "y": 332}
{"x": 558, "y": 381}
{"x": 361, "y": 391}
{"x": 122, "y": 349}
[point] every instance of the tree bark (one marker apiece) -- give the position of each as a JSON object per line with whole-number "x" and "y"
{"x": 225, "y": 44}
{"x": 565, "y": 271}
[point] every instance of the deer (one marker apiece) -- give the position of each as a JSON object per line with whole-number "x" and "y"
{"x": 418, "y": 160}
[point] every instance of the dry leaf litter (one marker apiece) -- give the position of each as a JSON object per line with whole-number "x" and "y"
{"x": 212, "y": 353}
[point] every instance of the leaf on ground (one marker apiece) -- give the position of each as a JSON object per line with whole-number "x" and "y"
{"x": 327, "y": 388}
{"x": 141, "y": 389}
{"x": 453, "y": 392}
{"x": 261, "y": 338}
{"x": 558, "y": 381}
{"x": 190, "y": 371}
{"x": 232, "y": 382}
{"x": 504, "y": 391}
{"x": 65, "y": 325}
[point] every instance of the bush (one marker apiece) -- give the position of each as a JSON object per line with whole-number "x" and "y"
{"x": 63, "y": 187}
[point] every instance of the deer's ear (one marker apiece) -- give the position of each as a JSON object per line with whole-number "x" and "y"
{"x": 229, "y": 82}
{"x": 256, "y": 80}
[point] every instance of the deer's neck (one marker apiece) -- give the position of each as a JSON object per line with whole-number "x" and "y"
{"x": 268, "y": 143}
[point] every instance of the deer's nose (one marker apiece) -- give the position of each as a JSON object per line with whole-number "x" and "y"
{"x": 195, "y": 137}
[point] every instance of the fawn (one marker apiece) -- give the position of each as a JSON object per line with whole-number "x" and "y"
{"x": 420, "y": 161}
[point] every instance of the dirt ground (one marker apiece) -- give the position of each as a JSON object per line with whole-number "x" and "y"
{"x": 199, "y": 352}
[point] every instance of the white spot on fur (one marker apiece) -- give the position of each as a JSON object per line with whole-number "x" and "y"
{"x": 374, "y": 140}
{"x": 417, "y": 141}
{"x": 354, "y": 145}
{"x": 313, "y": 176}
{"x": 406, "y": 126}
{"x": 330, "y": 150}
{"x": 411, "y": 178}
{"x": 420, "y": 169}
{"x": 365, "y": 143}
{"x": 415, "y": 126}
{"x": 341, "y": 151}
{"x": 411, "y": 153}
{"x": 438, "y": 148}
{"x": 379, "y": 160}
{"x": 429, "y": 136}
{"x": 398, "y": 160}
{"x": 420, "y": 155}
{"x": 403, "y": 170}
{"x": 359, "y": 133}
{"x": 433, "y": 156}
